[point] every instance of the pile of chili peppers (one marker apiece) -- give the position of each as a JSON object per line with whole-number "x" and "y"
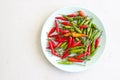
{"x": 74, "y": 38}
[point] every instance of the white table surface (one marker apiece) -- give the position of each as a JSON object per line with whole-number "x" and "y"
{"x": 21, "y": 57}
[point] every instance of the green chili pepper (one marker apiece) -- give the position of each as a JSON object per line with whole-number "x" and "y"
{"x": 93, "y": 34}
{"x": 72, "y": 30}
{"x": 86, "y": 42}
{"x": 88, "y": 30}
{"x": 77, "y": 50}
{"x": 81, "y": 30}
{"x": 76, "y": 28}
{"x": 62, "y": 46}
{"x": 90, "y": 33}
{"x": 65, "y": 62}
{"x": 68, "y": 27}
{"x": 90, "y": 23}
{"x": 82, "y": 40}
{"x": 82, "y": 22}
{"x": 68, "y": 18}
{"x": 65, "y": 47}
{"x": 77, "y": 39}
{"x": 93, "y": 46}
{"x": 77, "y": 17}
{"x": 86, "y": 23}
{"x": 96, "y": 35}
{"x": 94, "y": 26}
{"x": 84, "y": 31}
{"x": 94, "y": 52}
{"x": 77, "y": 47}
{"x": 79, "y": 21}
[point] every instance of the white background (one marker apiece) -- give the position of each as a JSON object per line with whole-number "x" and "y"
{"x": 21, "y": 57}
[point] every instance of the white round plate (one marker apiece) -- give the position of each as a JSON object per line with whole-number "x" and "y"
{"x": 53, "y": 59}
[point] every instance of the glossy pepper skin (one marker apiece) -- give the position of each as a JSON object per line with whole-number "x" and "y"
{"x": 63, "y": 31}
{"x": 83, "y": 26}
{"x": 61, "y": 18}
{"x": 74, "y": 60}
{"x": 70, "y": 41}
{"x": 60, "y": 39}
{"x": 57, "y": 26}
{"x": 54, "y": 35}
{"x": 52, "y": 49}
{"x": 51, "y": 31}
{"x": 89, "y": 50}
{"x": 66, "y": 23}
{"x": 66, "y": 54}
{"x": 81, "y": 13}
{"x": 59, "y": 44}
{"x": 65, "y": 62}
{"x": 97, "y": 42}
{"x": 81, "y": 55}
{"x": 76, "y": 44}
{"x": 72, "y": 15}
{"x": 52, "y": 42}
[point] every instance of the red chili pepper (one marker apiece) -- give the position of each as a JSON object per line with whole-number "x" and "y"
{"x": 66, "y": 23}
{"x": 54, "y": 35}
{"x": 51, "y": 31}
{"x": 69, "y": 41}
{"x": 89, "y": 50}
{"x": 97, "y": 42}
{"x": 73, "y": 41}
{"x": 65, "y": 54}
{"x": 48, "y": 47}
{"x": 73, "y": 15}
{"x": 76, "y": 44}
{"x": 63, "y": 31}
{"x": 61, "y": 18}
{"x": 58, "y": 45}
{"x": 60, "y": 39}
{"x": 52, "y": 49}
{"x": 57, "y": 26}
{"x": 74, "y": 60}
{"x": 84, "y": 26}
{"x": 81, "y": 55}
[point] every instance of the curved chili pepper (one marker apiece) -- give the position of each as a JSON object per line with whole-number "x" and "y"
{"x": 67, "y": 34}
{"x": 76, "y": 44}
{"x": 52, "y": 49}
{"x": 60, "y": 39}
{"x": 57, "y": 26}
{"x": 52, "y": 44}
{"x": 51, "y": 31}
{"x": 97, "y": 42}
{"x": 66, "y": 23}
{"x": 89, "y": 50}
{"x": 81, "y": 55}
{"x": 65, "y": 54}
{"x": 74, "y": 34}
{"x": 54, "y": 35}
{"x": 69, "y": 41}
{"x": 73, "y": 41}
{"x": 74, "y": 60}
{"x": 81, "y": 13}
{"x": 83, "y": 26}
{"x": 61, "y": 18}
{"x": 63, "y": 31}
{"x": 73, "y": 15}
{"x": 59, "y": 44}
{"x": 65, "y": 62}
